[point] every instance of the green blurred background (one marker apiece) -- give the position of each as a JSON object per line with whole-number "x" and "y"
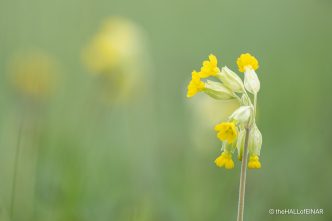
{"x": 150, "y": 157}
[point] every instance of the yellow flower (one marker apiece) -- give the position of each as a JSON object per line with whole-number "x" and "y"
{"x": 195, "y": 85}
{"x": 117, "y": 57}
{"x": 225, "y": 160}
{"x": 247, "y": 61}
{"x": 254, "y": 162}
{"x": 209, "y": 67}
{"x": 119, "y": 42}
{"x": 226, "y": 131}
{"x": 33, "y": 74}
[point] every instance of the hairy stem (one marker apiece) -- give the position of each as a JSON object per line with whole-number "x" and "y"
{"x": 242, "y": 187}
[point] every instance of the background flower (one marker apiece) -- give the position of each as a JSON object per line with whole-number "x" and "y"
{"x": 33, "y": 74}
{"x": 117, "y": 56}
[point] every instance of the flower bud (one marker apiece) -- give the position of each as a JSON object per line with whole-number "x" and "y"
{"x": 245, "y": 100}
{"x": 228, "y": 147}
{"x": 231, "y": 80}
{"x": 251, "y": 81}
{"x": 242, "y": 114}
{"x": 218, "y": 91}
{"x": 255, "y": 141}
{"x": 240, "y": 143}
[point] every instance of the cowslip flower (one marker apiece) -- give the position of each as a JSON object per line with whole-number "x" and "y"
{"x": 225, "y": 160}
{"x": 214, "y": 89}
{"x": 247, "y": 61}
{"x": 248, "y": 64}
{"x": 240, "y": 132}
{"x": 254, "y": 143}
{"x": 254, "y": 162}
{"x": 230, "y": 86}
{"x": 204, "y": 112}
{"x": 195, "y": 85}
{"x": 226, "y": 131}
{"x": 209, "y": 67}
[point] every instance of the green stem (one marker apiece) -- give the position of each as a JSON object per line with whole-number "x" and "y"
{"x": 16, "y": 163}
{"x": 243, "y": 178}
{"x": 255, "y": 104}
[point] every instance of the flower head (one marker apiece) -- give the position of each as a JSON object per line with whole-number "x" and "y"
{"x": 225, "y": 160}
{"x": 226, "y": 131}
{"x": 119, "y": 41}
{"x": 247, "y": 61}
{"x": 240, "y": 131}
{"x": 117, "y": 57}
{"x": 195, "y": 85}
{"x": 248, "y": 64}
{"x": 209, "y": 67}
{"x": 254, "y": 162}
{"x": 33, "y": 74}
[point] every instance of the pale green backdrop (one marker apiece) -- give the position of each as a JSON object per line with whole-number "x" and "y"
{"x": 147, "y": 159}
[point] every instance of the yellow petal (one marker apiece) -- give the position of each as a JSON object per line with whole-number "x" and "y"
{"x": 247, "y": 61}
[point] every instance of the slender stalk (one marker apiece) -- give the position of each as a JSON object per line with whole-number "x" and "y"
{"x": 243, "y": 175}
{"x": 16, "y": 163}
{"x": 255, "y": 104}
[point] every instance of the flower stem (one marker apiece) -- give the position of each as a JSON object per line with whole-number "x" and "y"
{"x": 255, "y": 104}
{"x": 15, "y": 173}
{"x": 242, "y": 187}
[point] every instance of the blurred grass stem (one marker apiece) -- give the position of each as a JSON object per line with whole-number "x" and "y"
{"x": 16, "y": 163}
{"x": 243, "y": 175}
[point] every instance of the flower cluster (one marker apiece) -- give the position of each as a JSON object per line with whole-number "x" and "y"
{"x": 230, "y": 86}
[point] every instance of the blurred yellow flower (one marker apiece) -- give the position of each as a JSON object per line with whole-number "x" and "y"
{"x": 225, "y": 160}
{"x": 116, "y": 44}
{"x": 195, "y": 85}
{"x": 254, "y": 162}
{"x": 33, "y": 74}
{"x": 226, "y": 131}
{"x": 210, "y": 67}
{"x": 117, "y": 55}
{"x": 247, "y": 61}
